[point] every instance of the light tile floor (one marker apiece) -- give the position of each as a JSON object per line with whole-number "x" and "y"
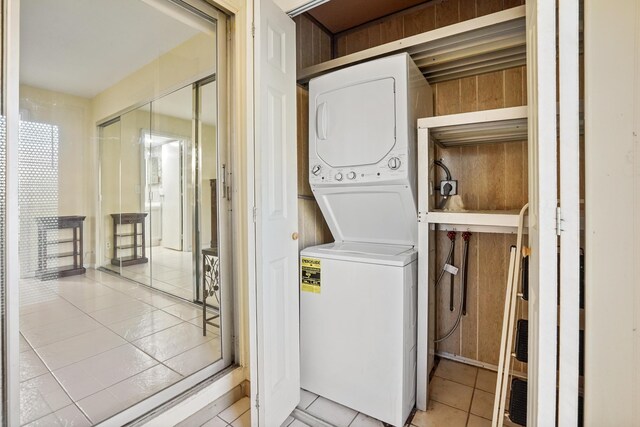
{"x": 93, "y": 345}
{"x": 461, "y": 396}
{"x": 172, "y": 271}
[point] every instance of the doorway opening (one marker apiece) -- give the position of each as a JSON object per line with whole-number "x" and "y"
{"x": 122, "y": 156}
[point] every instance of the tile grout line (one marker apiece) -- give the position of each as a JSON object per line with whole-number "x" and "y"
{"x": 114, "y": 384}
{"x": 127, "y": 342}
{"x": 475, "y": 382}
{"x": 238, "y": 417}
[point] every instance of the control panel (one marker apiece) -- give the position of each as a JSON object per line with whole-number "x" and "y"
{"x": 393, "y": 168}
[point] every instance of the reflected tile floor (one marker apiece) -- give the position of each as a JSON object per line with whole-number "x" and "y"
{"x": 93, "y": 345}
{"x": 173, "y": 271}
{"x": 461, "y": 396}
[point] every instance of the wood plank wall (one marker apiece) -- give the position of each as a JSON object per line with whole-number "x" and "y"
{"x": 314, "y": 42}
{"x": 314, "y": 45}
{"x": 312, "y": 228}
{"x": 415, "y": 20}
{"x": 490, "y": 177}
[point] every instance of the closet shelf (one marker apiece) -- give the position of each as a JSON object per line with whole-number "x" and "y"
{"x": 489, "y": 43}
{"x": 129, "y": 246}
{"x": 60, "y": 255}
{"x": 499, "y": 221}
{"x": 488, "y": 126}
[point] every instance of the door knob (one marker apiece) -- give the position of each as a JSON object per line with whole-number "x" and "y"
{"x": 294, "y": 236}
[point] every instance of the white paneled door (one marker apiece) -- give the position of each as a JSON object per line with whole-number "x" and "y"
{"x": 171, "y": 196}
{"x": 276, "y": 293}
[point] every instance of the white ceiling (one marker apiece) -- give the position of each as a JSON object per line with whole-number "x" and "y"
{"x": 82, "y": 47}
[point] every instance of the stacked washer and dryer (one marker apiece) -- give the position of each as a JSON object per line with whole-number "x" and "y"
{"x": 358, "y": 297}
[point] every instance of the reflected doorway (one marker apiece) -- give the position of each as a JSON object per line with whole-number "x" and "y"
{"x": 161, "y": 222}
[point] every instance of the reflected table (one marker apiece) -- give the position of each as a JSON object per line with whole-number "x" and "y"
{"x": 210, "y": 286}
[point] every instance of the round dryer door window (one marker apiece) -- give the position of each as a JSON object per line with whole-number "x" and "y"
{"x": 356, "y": 125}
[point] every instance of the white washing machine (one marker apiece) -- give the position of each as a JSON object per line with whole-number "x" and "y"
{"x": 358, "y": 295}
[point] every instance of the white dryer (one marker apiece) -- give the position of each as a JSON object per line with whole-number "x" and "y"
{"x": 358, "y": 295}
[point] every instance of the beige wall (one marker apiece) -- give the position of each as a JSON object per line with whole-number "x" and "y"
{"x": 612, "y": 155}
{"x": 120, "y": 165}
{"x": 72, "y": 115}
{"x": 78, "y": 117}
{"x": 192, "y": 60}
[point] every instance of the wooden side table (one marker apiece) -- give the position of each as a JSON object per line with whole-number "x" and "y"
{"x": 210, "y": 286}
{"x": 45, "y": 225}
{"x": 137, "y": 235}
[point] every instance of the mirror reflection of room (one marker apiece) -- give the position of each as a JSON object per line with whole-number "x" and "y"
{"x": 122, "y": 268}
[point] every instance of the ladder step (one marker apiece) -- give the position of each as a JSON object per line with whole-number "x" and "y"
{"x": 518, "y": 402}
{"x": 522, "y": 340}
{"x": 525, "y": 278}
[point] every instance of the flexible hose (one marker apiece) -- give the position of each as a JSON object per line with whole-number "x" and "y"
{"x": 445, "y": 263}
{"x": 463, "y": 278}
{"x": 455, "y": 325}
{"x": 452, "y": 238}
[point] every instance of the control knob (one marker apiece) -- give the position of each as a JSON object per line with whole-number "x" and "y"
{"x": 394, "y": 163}
{"x": 316, "y": 170}
{"x": 338, "y": 176}
{"x": 351, "y": 175}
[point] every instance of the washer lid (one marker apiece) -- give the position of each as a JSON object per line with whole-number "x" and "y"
{"x": 368, "y": 253}
{"x": 385, "y": 214}
{"x": 356, "y": 124}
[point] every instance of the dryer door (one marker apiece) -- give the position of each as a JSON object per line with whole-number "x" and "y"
{"x": 355, "y": 125}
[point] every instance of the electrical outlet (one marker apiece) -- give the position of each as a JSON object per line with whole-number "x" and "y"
{"x": 108, "y": 245}
{"x": 448, "y": 188}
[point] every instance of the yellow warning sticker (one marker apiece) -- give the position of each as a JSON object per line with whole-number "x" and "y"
{"x": 310, "y": 275}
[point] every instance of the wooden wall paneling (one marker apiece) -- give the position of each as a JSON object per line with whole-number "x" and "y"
{"x": 447, "y": 97}
{"x": 312, "y": 228}
{"x": 515, "y": 173}
{"x": 303, "y": 142}
{"x": 524, "y": 85}
{"x": 444, "y": 317}
{"x": 468, "y": 10}
{"x": 326, "y": 46}
{"x": 490, "y": 176}
{"x": 468, "y": 94}
{"x": 340, "y": 46}
{"x": 318, "y": 228}
{"x": 310, "y": 220}
{"x": 491, "y": 90}
{"x": 491, "y": 158}
{"x": 391, "y": 29}
{"x": 419, "y": 21}
{"x": 358, "y": 40}
{"x": 513, "y": 88}
{"x": 513, "y": 3}
{"x": 314, "y": 44}
{"x": 447, "y": 13}
{"x": 468, "y": 182}
{"x": 486, "y": 7}
{"x": 374, "y": 35}
{"x": 469, "y": 324}
{"x": 492, "y": 277}
{"x": 421, "y": 18}
{"x": 304, "y": 37}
